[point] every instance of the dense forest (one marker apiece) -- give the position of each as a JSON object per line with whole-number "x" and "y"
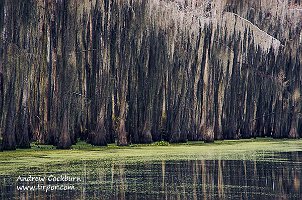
{"x": 139, "y": 71}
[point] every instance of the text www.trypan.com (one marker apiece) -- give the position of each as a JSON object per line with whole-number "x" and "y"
{"x": 45, "y": 188}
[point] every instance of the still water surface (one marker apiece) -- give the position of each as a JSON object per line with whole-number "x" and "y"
{"x": 277, "y": 177}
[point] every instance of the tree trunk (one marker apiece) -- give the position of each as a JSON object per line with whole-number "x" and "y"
{"x": 64, "y": 139}
{"x": 9, "y": 135}
{"x": 122, "y": 134}
{"x": 98, "y": 137}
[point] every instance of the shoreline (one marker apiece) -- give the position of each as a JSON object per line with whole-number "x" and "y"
{"x": 46, "y": 156}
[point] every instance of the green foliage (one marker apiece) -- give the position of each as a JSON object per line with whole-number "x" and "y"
{"x": 160, "y": 143}
{"x": 47, "y": 155}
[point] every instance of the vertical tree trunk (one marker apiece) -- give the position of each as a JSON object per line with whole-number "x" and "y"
{"x": 64, "y": 139}
{"x": 1, "y": 86}
{"x": 121, "y": 131}
{"x": 9, "y": 135}
{"x": 23, "y": 128}
{"x": 98, "y": 136}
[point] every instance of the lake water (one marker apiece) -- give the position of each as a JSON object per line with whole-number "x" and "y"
{"x": 275, "y": 177}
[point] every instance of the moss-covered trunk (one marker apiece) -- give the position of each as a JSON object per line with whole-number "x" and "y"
{"x": 143, "y": 71}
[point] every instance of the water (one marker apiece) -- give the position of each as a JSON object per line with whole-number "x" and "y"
{"x": 275, "y": 178}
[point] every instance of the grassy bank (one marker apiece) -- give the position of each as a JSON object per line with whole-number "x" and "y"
{"x": 44, "y": 155}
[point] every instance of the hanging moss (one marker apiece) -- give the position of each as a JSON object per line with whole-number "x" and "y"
{"x": 143, "y": 71}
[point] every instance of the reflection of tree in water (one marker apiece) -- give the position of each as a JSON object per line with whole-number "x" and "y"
{"x": 212, "y": 180}
{"x": 205, "y": 179}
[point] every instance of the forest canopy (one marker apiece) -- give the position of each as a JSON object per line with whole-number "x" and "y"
{"x": 140, "y": 71}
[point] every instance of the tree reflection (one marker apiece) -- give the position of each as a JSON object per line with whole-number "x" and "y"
{"x": 192, "y": 179}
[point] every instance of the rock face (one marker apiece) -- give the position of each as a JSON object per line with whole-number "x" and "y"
{"x": 143, "y": 70}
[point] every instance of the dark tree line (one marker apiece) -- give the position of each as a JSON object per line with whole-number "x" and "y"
{"x": 140, "y": 71}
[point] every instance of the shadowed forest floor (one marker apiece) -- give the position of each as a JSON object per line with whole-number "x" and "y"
{"x": 49, "y": 158}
